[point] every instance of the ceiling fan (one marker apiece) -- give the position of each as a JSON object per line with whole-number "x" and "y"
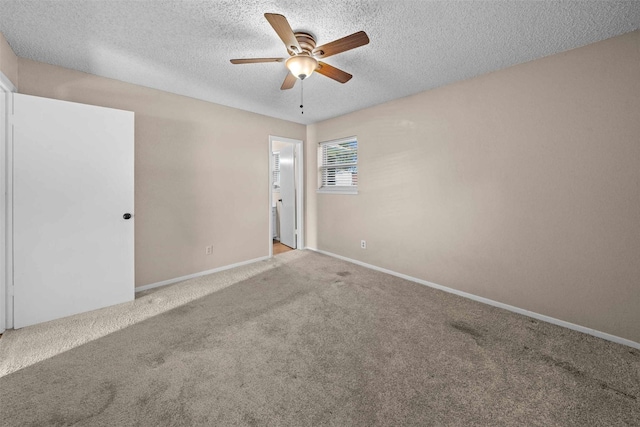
{"x": 304, "y": 55}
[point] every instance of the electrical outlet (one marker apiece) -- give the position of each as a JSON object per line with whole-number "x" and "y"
{"x": 208, "y": 250}
{"x": 363, "y": 244}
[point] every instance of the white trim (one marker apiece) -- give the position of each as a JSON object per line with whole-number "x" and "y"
{"x": 6, "y": 84}
{"x": 542, "y": 317}
{"x": 299, "y": 190}
{"x": 339, "y": 141}
{"x": 3, "y": 246}
{"x": 6, "y": 248}
{"x": 9, "y": 212}
{"x": 325, "y": 190}
{"x": 202, "y": 273}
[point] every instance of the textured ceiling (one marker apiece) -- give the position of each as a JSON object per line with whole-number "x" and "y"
{"x": 185, "y": 46}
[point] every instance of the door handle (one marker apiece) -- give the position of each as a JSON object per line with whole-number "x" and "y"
{"x": 126, "y": 216}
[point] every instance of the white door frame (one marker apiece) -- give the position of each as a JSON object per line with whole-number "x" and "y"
{"x": 299, "y": 190}
{"x": 6, "y": 248}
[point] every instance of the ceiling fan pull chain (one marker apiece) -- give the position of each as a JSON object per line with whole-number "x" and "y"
{"x": 302, "y": 95}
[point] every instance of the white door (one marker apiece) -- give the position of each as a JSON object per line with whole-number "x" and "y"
{"x": 72, "y": 186}
{"x": 288, "y": 196}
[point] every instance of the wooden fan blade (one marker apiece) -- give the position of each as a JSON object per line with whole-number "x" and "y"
{"x": 284, "y": 31}
{"x": 255, "y": 60}
{"x": 289, "y": 82}
{"x": 341, "y": 45}
{"x": 333, "y": 72}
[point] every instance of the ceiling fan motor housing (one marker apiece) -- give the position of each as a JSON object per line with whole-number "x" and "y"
{"x": 306, "y": 41}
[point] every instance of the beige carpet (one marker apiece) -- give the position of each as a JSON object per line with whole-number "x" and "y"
{"x": 311, "y": 340}
{"x": 24, "y": 347}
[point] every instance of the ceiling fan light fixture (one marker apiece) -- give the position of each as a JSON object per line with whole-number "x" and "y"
{"x": 304, "y": 57}
{"x": 302, "y": 66}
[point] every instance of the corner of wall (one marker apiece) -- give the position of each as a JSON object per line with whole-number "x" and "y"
{"x": 310, "y": 167}
{"x": 8, "y": 61}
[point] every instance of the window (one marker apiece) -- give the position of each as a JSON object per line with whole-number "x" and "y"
{"x": 276, "y": 171}
{"x": 338, "y": 166}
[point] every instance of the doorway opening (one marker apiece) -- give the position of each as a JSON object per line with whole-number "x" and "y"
{"x": 285, "y": 195}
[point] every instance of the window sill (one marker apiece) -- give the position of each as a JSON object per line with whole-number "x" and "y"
{"x": 336, "y": 191}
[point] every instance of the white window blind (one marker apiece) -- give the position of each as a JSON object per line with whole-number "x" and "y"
{"x": 338, "y": 167}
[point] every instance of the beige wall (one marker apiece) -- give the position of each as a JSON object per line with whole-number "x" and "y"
{"x": 8, "y": 61}
{"x": 522, "y": 186}
{"x": 201, "y": 171}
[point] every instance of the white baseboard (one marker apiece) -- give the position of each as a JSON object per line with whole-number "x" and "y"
{"x": 202, "y": 273}
{"x": 512, "y": 308}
